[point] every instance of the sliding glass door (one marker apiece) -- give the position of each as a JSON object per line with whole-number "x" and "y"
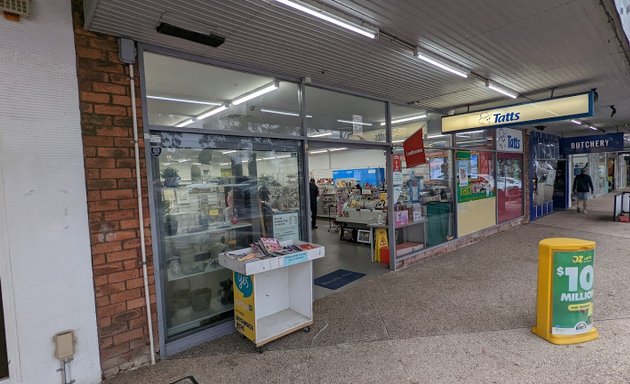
{"x": 216, "y": 193}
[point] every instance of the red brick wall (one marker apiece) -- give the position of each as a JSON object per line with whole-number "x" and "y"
{"x": 107, "y": 131}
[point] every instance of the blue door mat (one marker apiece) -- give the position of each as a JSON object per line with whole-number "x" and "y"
{"x": 186, "y": 380}
{"x": 338, "y": 279}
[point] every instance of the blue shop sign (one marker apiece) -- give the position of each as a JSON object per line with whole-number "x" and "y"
{"x": 612, "y": 142}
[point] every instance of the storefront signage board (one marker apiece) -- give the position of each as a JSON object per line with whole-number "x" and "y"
{"x": 560, "y": 108}
{"x": 611, "y": 142}
{"x": 414, "y": 149}
{"x": 509, "y": 140}
{"x": 286, "y": 226}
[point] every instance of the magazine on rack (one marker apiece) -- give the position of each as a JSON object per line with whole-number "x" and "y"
{"x": 268, "y": 247}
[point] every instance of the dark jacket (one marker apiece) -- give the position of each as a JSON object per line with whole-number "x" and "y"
{"x": 314, "y": 193}
{"x": 582, "y": 183}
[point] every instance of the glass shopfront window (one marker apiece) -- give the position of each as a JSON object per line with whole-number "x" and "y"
{"x": 423, "y": 202}
{"x": 509, "y": 186}
{"x": 480, "y": 139}
{"x": 218, "y": 193}
{"x": 334, "y": 115}
{"x": 423, "y": 194}
{"x": 545, "y": 152}
{"x": 476, "y": 191}
{"x": 181, "y": 93}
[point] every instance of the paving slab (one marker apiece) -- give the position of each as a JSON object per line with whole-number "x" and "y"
{"x": 463, "y": 317}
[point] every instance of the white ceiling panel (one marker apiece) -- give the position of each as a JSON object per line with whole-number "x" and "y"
{"x": 530, "y": 46}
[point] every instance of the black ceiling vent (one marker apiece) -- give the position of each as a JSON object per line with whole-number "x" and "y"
{"x": 211, "y": 40}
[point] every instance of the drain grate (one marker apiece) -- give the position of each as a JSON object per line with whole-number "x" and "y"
{"x": 186, "y": 380}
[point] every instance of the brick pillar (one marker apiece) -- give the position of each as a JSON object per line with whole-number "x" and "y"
{"x": 106, "y": 124}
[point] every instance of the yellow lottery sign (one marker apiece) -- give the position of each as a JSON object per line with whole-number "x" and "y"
{"x": 244, "y": 314}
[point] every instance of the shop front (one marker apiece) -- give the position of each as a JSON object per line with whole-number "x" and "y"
{"x": 600, "y": 156}
{"x": 231, "y": 154}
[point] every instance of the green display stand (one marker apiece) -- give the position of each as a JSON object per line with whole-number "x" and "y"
{"x": 438, "y": 222}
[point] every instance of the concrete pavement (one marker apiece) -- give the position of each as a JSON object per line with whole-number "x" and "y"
{"x": 463, "y": 317}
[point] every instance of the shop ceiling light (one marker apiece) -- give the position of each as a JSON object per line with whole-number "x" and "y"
{"x": 337, "y": 149}
{"x": 331, "y": 18}
{"x": 255, "y": 93}
{"x": 398, "y": 141}
{"x": 354, "y": 122}
{"x": 269, "y": 158}
{"x": 228, "y": 152}
{"x": 441, "y": 63}
{"x": 321, "y": 134}
{"x": 185, "y": 123}
{"x": 283, "y": 113}
{"x": 593, "y": 128}
{"x": 406, "y": 119}
{"x": 211, "y": 112}
{"x": 469, "y": 132}
{"x": 318, "y": 151}
{"x": 576, "y": 122}
{"x": 501, "y": 90}
{"x": 283, "y": 157}
{"x": 435, "y": 136}
{"x": 182, "y": 100}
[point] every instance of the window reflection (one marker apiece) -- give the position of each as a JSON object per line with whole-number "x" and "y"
{"x": 334, "y": 115}
{"x": 182, "y": 93}
{"x": 213, "y": 195}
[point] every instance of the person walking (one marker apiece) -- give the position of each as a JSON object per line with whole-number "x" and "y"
{"x": 314, "y": 192}
{"x": 582, "y": 185}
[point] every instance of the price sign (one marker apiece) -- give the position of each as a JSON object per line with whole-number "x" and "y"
{"x": 572, "y": 292}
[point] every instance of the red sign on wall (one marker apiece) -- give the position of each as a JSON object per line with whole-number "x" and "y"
{"x": 397, "y": 163}
{"x": 414, "y": 150}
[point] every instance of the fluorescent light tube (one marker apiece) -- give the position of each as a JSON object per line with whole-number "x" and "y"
{"x": 442, "y": 65}
{"x": 185, "y": 123}
{"x": 405, "y": 119}
{"x": 435, "y": 136}
{"x": 318, "y": 151}
{"x": 593, "y": 128}
{"x": 501, "y": 90}
{"x": 337, "y": 149}
{"x": 283, "y": 113}
{"x": 576, "y": 122}
{"x": 283, "y": 157}
{"x": 331, "y": 18}
{"x": 228, "y": 152}
{"x": 321, "y": 134}
{"x": 211, "y": 112}
{"x": 354, "y": 122}
{"x": 255, "y": 93}
{"x": 269, "y": 158}
{"x": 469, "y": 132}
{"x": 398, "y": 141}
{"x": 182, "y": 100}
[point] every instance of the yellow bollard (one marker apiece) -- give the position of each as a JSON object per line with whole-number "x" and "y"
{"x": 564, "y": 311}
